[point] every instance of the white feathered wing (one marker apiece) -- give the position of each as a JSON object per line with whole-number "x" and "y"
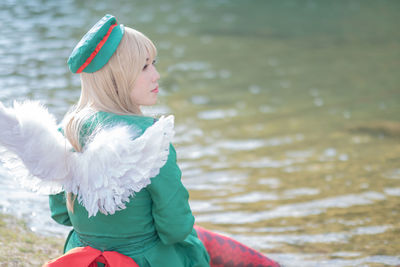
{"x": 112, "y": 167}
{"x": 38, "y": 157}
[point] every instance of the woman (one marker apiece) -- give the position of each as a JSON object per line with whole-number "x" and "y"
{"x": 156, "y": 226}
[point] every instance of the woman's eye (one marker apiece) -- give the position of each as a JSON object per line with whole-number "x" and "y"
{"x": 153, "y": 63}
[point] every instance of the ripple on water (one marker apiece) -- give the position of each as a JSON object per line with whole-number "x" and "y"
{"x": 225, "y": 74}
{"x": 275, "y": 229}
{"x": 253, "y": 197}
{"x": 200, "y": 100}
{"x": 300, "y": 154}
{"x": 217, "y": 114}
{"x": 346, "y": 254}
{"x": 241, "y": 145}
{"x": 293, "y": 193}
{"x": 392, "y": 174}
{"x": 50, "y": 83}
{"x": 197, "y": 151}
{"x": 301, "y": 239}
{"x": 252, "y": 144}
{"x": 204, "y": 206}
{"x": 188, "y": 172}
{"x": 298, "y": 239}
{"x": 178, "y": 51}
{"x": 319, "y": 260}
{"x": 185, "y": 133}
{"x": 330, "y": 154}
{"x": 216, "y": 182}
{"x": 155, "y": 111}
{"x": 392, "y": 191}
{"x": 278, "y": 141}
{"x": 267, "y": 163}
{"x": 189, "y": 66}
{"x": 298, "y": 209}
{"x": 266, "y": 109}
{"x": 271, "y": 182}
{"x": 145, "y": 17}
{"x": 371, "y": 230}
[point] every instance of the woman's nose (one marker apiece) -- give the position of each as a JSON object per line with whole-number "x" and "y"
{"x": 156, "y": 75}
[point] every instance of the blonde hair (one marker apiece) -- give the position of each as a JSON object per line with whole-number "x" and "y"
{"x": 109, "y": 88}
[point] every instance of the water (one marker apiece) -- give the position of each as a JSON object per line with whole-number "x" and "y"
{"x": 286, "y": 114}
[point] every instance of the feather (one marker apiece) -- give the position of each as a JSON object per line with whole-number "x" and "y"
{"x": 114, "y": 165}
{"x": 38, "y": 150}
{"x": 117, "y": 163}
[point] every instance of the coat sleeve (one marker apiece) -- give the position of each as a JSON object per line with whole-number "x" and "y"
{"x": 58, "y": 209}
{"x": 173, "y": 218}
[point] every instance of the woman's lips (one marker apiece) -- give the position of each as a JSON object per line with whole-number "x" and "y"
{"x": 155, "y": 90}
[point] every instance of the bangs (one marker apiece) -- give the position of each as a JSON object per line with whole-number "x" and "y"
{"x": 150, "y": 49}
{"x": 145, "y": 48}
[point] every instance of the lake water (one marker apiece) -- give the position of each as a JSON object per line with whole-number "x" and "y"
{"x": 287, "y": 114}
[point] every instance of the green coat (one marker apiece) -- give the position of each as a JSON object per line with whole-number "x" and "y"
{"x": 155, "y": 229}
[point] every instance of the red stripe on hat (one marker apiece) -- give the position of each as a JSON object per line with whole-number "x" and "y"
{"x": 97, "y": 49}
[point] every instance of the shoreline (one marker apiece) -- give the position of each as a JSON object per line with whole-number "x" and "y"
{"x": 19, "y": 246}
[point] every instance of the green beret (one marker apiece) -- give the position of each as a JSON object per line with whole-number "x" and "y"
{"x": 97, "y": 46}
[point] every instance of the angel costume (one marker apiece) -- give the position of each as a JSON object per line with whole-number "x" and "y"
{"x": 130, "y": 197}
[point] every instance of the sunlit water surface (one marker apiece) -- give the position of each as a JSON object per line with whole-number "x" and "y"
{"x": 287, "y": 114}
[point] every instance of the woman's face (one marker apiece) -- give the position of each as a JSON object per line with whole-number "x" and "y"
{"x": 145, "y": 89}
